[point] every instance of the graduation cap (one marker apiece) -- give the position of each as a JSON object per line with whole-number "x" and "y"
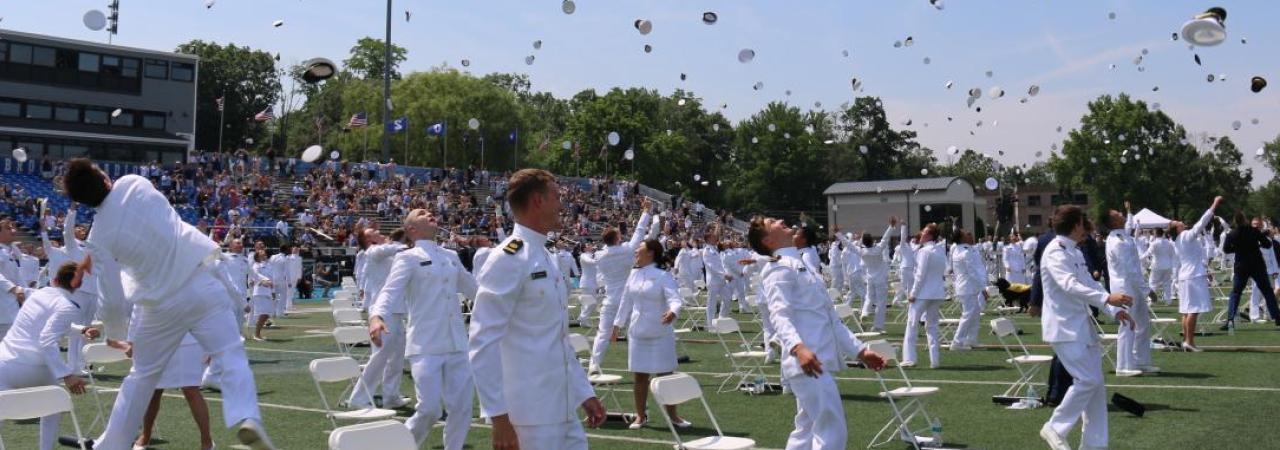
{"x": 1128, "y": 405}
{"x": 1257, "y": 84}
{"x": 1206, "y": 29}
{"x": 644, "y": 26}
{"x": 315, "y": 70}
{"x": 568, "y": 6}
{"x": 710, "y": 18}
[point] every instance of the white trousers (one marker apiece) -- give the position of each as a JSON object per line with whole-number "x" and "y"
{"x": 739, "y": 288}
{"x": 385, "y": 366}
{"x": 4, "y": 329}
{"x": 717, "y": 300}
{"x": 560, "y": 436}
{"x": 290, "y": 293}
{"x": 837, "y": 277}
{"x": 586, "y": 311}
{"x": 820, "y": 423}
{"x": 443, "y": 379}
{"x": 1086, "y": 398}
{"x": 857, "y": 289}
{"x": 877, "y": 295}
{"x": 1161, "y": 281}
{"x": 1256, "y": 311}
{"x": 75, "y": 341}
{"x": 608, "y": 310}
{"x": 906, "y": 277}
{"x": 200, "y": 308}
{"x": 928, "y": 309}
{"x": 282, "y": 299}
{"x": 1133, "y": 347}
{"x": 15, "y": 375}
{"x": 970, "y": 319}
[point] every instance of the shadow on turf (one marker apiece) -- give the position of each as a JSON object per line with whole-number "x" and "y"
{"x": 1188, "y": 375}
{"x": 1151, "y": 407}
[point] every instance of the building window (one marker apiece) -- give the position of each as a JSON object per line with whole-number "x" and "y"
{"x": 90, "y": 62}
{"x": 67, "y": 59}
{"x": 129, "y": 68}
{"x": 153, "y": 121}
{"x": 1055, "y": 199}
{"x": 10, "y": 108}
{"x": 4, "y": 51}
{"x": 66, "y": 113}
{"x": 1033, "y": 200}
{"x": 125, "y": 119}
{"x": 1035, "y": 220}
{"x": 20, "y": 53}
{"x": 43, "y": 56}
{"x": 111, "y": 65}
{"x": 1082, "y": 199}
{"x": 184, "y": 72}
{"x": 39, "y": 111}
{"x": 157, "y": 69}
{"x": 96, "y": 116}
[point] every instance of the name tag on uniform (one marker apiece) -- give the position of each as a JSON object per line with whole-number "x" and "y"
{"x": 802, "y": 269}
{"x": 539, "y": 275}
{"x": 424, "y": 263}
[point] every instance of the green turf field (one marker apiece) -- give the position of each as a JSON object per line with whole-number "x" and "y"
{"x": 1209, "y": 400}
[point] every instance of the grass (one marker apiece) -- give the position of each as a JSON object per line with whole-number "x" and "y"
{"x": 1192, "y": 404}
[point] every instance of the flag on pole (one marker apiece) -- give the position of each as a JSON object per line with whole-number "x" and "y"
{"x": 221, "y": 101}
{"x": 512, "y": 137}
{"x": 265, "y": 115}
{"x": 398, "y": 125}
{"x": 358, "y": 120}
{"x": 436, "y": 129}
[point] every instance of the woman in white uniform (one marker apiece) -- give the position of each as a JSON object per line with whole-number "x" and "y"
{"x": 260, "y": 298}
{"x": 650, "y": 302}
{"x": 183, "y": 372}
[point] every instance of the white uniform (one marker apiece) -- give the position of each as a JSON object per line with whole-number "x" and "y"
{"x": 1256, "y": 311}
{"x": 589, "y": 283}
{"x": 10, "y": 284}
{"x": 1133, "y": 346}
{"x": 294, "y": 262}
{"x": 875, "y": 263}
{"x": 29, "y": 355}
{"x": 358, "y": 271}
{"x": 262, "y": 294}
{"x": 853, "y": 270}
{"x": 1193, "y": 274}
{"x": 166, "y": 270}
{"x": 651, "y": 345}
{"x": 802, "y": 313}
{"x": 1015, "y": 263}
{"x": 280, "y": 276}
{"x": 739, "y": 284}
{"x": 427, "y": 279}
{"x": 906, "y": 265}
{"x": 520, "y": 354}
{"x": 970, "y": 282}
{"x": 237, "y": 268}
{"x": 930, "y": 291}
{"x": 835, "y": 254}
{"x": 614, "y": 265}
{"x": 1069, "y": 290}
{"x": 86, "y": 295}
{"x": 386, "y": 362}
{"x": 1163, "y": 260}
{"x": 568, "y": 268}
{"x": 717, "y": 284}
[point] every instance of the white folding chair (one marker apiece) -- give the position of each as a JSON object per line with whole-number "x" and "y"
{"x": 347, "y": 316}
{"x": 382, "y": 435}
{"x": 600, "y": 382}
{"x": 342, "y": 303}
{"x": 948, "y": 327}
{"x": 1027, "y": 364}
{"x": 37, "y": 402}
{"x": 693, "y": 311}
{"x": 1160, "y": 326}
{"x": 339, "y": 369}
{"x": 1108, "y": 341}
{"x": 349, "y": 337}
{"x": 908, "y": 404}
{"x": 97, "y": 354}
{"x": 678, "y": 388}
{"x": 847, "y": 315}
{"x": 746, "y": 361}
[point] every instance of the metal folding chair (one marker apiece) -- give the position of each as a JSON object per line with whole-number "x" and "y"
{"x": 908, "y": 404}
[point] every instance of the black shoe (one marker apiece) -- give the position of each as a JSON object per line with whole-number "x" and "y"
{"x": 1226, "y": 326}
{"x": 71, "y": 441}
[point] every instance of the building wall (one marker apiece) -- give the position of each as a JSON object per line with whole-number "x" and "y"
{"x": 870, "y": 211}
{"x": 1035, "y": 207}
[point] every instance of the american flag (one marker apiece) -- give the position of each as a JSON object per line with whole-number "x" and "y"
{"x": 265, "y": 115}
{"x": 358, "y": 120}
{"x": 221, "y": 101}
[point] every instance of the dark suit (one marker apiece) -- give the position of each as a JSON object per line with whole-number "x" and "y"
{"x": 1247, "y": 243}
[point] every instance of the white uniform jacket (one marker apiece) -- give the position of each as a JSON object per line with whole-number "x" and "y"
{"x": 801, "y": 312}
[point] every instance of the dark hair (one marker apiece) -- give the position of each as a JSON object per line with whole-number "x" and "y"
{"x": 524, "y": 184}
{"x": 868, "y": 240}
{"x": 1066, "y": 218}
{"x": 957, "y": 235}
{"x": 286, "y": 248}
{"x": 1105, "y": 219}
{"x": 932, "y": 230}
{"x": 610, "y": 236}
{"x": 66, "y": 274}
{"x": 397, "y": 235}
{"x": 1239, "y": 220}
{"x": 659, "y": 254}
{"x": 1159, "y": 232}
{"x": 84, "y": 183}
{"x": 756, "y": 232}
{"x": 809, "y": 234}
{"x": 362, "y": 237}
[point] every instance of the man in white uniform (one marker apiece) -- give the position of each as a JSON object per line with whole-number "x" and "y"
{"x": 166, "y": 269}
{"x": 614, "y": 265}
{"x": 12, "y": 293}
{"x": 386, "y": 363}
{"x": 1163, "y": 260}
{"x": 875, "y": 256}
{"x": 906, "y": 264}
{"x": 1193, "y": 274}
{"x": 295, "y": 275}
{"x": 855, "y": 274}
{"x": 281, "y": 275}
{"x": 235, "y": 266}
{"x": 1015, "y": 261}
{"x": 925, "y": 297}
{"x": 589, "y": 283}
{"x": 1069, "y": 291}
{"x": 970, "y": 275}
{"x": 427, "y": 280}
{"x": 86, "y": 296}
{"x": 29, "y": 355}
{"x": 1133, "y": 345}
{"x": 835, "y": 256}
{"x": 814, "y": 341}
{"x": 529, "y": 380}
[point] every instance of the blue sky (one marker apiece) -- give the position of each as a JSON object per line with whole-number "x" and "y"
{"x": 1065, "y": 47}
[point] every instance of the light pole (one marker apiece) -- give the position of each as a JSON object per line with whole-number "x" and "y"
{"x": 386, "y": 88}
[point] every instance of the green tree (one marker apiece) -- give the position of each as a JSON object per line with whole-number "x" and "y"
{"x": 889, "y": 153}
{"x": 367, "y": 59}
{"x": 1265, "y": 201}
{"x": 247, "y": 81}
{"x": 778, "y": 165}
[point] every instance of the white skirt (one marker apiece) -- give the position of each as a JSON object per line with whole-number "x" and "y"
{"x": 185, "y": 367}
{"x": 651, "y": 355}
{"x": 263, "y": 305}
{"x": 1193, "y": 296}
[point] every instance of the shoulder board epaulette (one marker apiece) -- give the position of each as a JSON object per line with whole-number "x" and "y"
{"x": 775, "y": 258}
{"x": 404, "y": 249}
{"x": 512, "y": 247}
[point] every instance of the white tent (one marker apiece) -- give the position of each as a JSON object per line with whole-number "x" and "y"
{"x": 1148, "y": 219}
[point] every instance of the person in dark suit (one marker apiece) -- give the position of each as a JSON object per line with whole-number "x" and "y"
{"x": 1247, "y": 243}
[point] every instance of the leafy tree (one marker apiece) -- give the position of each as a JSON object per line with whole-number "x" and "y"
{"x": 247, "y": 81}
{"x": 889, "y": 153}
{"x": 367, "y": 59}
{"x": 778, "y": 164}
